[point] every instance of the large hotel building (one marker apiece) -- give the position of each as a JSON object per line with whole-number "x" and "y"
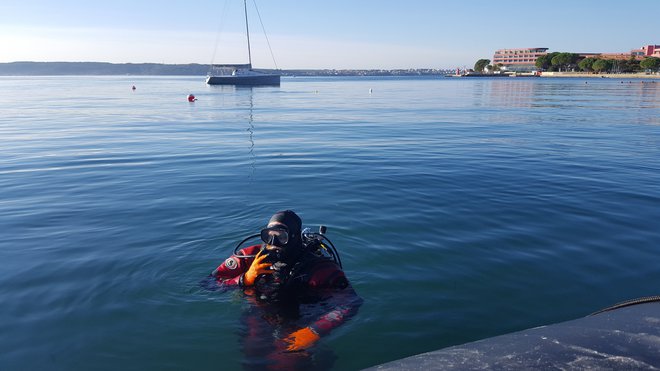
{"x": 518, "y": 59}
{"x": 525, "y": 59}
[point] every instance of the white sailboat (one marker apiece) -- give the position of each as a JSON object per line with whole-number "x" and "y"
{"x": 241, "y": 74}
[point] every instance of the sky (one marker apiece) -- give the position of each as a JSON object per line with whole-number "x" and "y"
{"x": 310, "y": 34}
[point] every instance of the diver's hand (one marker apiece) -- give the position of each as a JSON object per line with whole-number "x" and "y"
{"x": 301, "y": 339}
{"x": 258, "y": 267}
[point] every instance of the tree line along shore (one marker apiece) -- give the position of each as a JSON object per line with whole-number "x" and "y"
{"x": 572, "y": 62}
{"x": 633, "y": 75}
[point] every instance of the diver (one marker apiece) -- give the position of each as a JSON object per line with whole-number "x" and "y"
{"x": 292, "y": 268}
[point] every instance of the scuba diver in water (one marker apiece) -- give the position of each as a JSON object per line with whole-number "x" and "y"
{"x": 292, "y": 268}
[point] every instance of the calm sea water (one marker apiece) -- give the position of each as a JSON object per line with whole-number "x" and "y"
{"x": 462, "y": 209}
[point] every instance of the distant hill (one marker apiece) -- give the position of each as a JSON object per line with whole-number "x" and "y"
{"x": 99, "y": 68}
{"x": 157, "y": 69}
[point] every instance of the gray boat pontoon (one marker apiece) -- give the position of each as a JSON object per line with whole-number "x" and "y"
{"x": 623, "y": 337}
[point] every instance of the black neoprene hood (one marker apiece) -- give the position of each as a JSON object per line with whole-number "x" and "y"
{"x": 290, "y": 219}
{"x": 293, "y": 224}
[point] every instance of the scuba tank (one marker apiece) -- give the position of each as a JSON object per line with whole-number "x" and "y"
{"x": 315, "y": 244}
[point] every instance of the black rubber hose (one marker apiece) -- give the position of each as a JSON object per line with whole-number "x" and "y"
{"x": 335, "y": 252}
{"x": 241, "y": 243}
{"x": 627, "y": 303}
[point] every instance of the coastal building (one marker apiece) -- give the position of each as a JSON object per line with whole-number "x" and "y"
{"x": 647, "y": 51}
{"x": 639, "y": 54}
{"x": 619, "y": 59}
{"x": 524, "y": 60}
{"x": 611, "y": 56}
{"x": 518, "y": 59}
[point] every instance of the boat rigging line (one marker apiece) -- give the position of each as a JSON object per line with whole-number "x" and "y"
{"x": 223, "y": 15}
{"x": 265, "y": 34}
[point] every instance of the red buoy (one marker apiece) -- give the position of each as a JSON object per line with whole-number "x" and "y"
{"x": 191, "y": 98}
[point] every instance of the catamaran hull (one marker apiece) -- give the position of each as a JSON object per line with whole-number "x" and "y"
{"x": 244, "y": 80}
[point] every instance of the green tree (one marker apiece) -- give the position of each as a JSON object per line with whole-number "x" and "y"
{"x": 628, "y": 65}
{"x": 625, "y": 66}
{"x": 543, "y": 62}
{"x": 602, "y": 65}
{"x": 633, "y": 65}
{"x": 587, "y": 64}
{"x": 481, "y": 64}
{"x": 650, "y": 63}
{"x": 564, "y": 60}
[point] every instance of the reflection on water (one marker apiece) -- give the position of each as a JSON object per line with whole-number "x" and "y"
{"x": 543, "y": 93}
{"x": 250, "y": 130}
{"x": 511, "y": 93}
{"x": 545, "y": 100}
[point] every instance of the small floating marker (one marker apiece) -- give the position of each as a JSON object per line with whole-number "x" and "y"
{"x": 370, "y": 91}
{"x": 133, "y": 88}
{"x": 191, "y": 98}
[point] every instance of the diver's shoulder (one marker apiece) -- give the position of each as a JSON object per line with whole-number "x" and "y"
{"x": 250, "y": 250}
{"x": 315, "y": 262}
{"x": 326, "y": 272}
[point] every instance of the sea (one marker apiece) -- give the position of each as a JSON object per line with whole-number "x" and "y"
{"x": 461, "y": 208}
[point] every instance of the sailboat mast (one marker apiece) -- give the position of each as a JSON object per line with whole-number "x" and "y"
{"x": 247, "y": 31}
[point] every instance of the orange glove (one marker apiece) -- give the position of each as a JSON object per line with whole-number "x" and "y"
{"x": 258, "y": 267}
{"x": 301, "y": 339}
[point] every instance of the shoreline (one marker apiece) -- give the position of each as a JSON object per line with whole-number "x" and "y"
{"x": 641, "y": 75}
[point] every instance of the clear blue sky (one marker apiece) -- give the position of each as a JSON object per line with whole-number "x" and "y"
{"x": 318, "y": 34}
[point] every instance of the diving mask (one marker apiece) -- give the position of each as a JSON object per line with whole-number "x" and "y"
{"x": 275, "y": 236}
